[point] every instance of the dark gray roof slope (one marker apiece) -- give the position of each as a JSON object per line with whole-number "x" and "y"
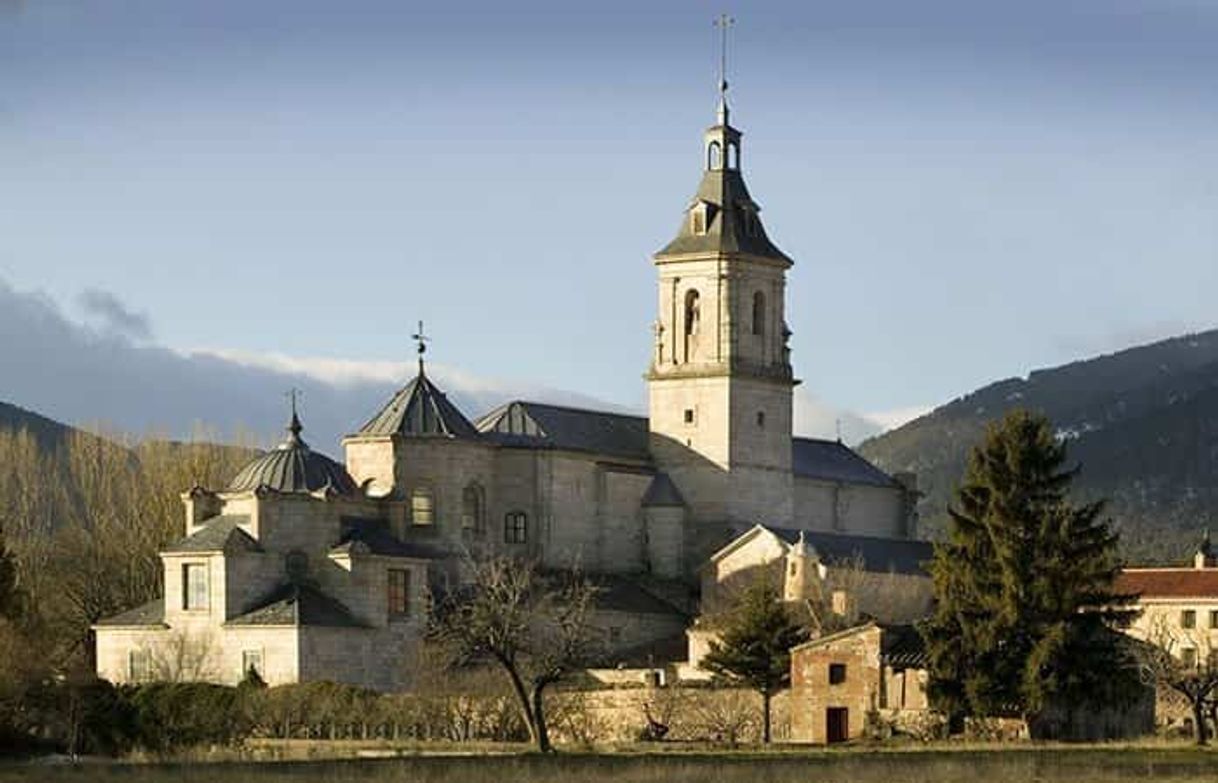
{"x": 897, "y": 555}
{"x": 420, "y": 409}
{"x": 731, "y": 208}
{"x": 375, "y": 536}
{"x": 299, "y": 605}
{"x": 831, "y": 460}
{"x": 293, "y": 467}
{"x": 151, "y": 613}
{"x": 537, "y": 425}
{"x": 620, "y": 594}
{"x": 662, "y": 492}
{"x": 218, "y": 535}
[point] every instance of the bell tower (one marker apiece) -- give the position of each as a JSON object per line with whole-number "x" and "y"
{"x": 720, "y": 381}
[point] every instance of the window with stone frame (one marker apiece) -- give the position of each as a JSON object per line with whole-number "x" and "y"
{"x": 251, "y": 660}
{"x": 422, "y": 507}
{"x": 139, "y": 665}
{"x": 515, "y": 527}
{"x": 398, "y": 598}
{"x": 837, "y": 673}
{"x": 1188, "y": 618}
{"x": 195, "y": 588}
{"x": 473, "y": 509}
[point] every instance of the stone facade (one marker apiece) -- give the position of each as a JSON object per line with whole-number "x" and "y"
{"x": 294, "y": 566}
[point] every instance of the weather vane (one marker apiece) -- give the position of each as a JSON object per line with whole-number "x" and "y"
{"x": 294, "y": 426}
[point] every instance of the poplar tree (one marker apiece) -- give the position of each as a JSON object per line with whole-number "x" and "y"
{"x": 1025, "y": 608}
{"x": 754, "y": 646}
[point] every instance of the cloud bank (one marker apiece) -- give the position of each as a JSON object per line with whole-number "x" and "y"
{"x": 116, "y": 376}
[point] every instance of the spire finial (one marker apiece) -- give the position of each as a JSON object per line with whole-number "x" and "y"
{"x": 294, "y": 426}
{"x": 420, "y": 339}
{"x": 723, "y": 22}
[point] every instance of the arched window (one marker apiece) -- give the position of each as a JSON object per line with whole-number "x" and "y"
{"x": 422, "y": 507}
{"x": 515, "y": 527}
{"x": 758, "y": 313}
{"x": 714, "y": 156}
{"x": 733, "y": 156}
{"x": 473, "y": 509}
{"x": 692, "y": 316}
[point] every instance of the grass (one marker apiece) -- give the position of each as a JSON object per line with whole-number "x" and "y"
{"x": 995, "y": 764}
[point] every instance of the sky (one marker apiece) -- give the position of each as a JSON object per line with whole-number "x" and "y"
{"x": 969, "y": 189}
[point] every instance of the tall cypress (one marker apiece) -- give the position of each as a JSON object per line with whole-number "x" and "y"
{"x": 1025, "y": 606}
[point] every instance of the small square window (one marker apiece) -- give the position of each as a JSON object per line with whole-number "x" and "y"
{"x": 837, "y": 673}
{"x": 139, "y": 666}
{"x": 1188, "y": 619}
{"x": 689, "y": 415}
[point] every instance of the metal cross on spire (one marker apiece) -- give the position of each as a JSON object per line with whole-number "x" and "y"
{"x": 420, "y": 339}
{"x": 294, "y": 426}
{"x": 723, "y": 22}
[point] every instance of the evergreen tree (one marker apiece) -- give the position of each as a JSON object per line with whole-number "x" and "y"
{"x": 1025, "y": 608}
{"x": 756, "y": 637}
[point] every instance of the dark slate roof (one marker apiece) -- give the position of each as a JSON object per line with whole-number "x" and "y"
{"x": 662, "y": 492}
{"x": 299, "y": 605}
{"x": 620, "y": 594}
{"x": 151, "y": 613}
{"x": 537, "y": 425}
{"x": 882, "y": 555}
{"x": 901, "y": 647}
{"x": 218, "y": 534}
{"x": 420, "y": 409}
{"x": 831, "y": 460}
{"x": 376, "y": 538}
{"x": 730, "y": 205}
{"x": 293, "y": 467}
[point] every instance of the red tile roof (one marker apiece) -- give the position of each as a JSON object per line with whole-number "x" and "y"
{"x": 1169, "y": 582}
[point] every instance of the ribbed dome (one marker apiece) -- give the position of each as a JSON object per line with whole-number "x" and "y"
{"x": 293, "y": 467}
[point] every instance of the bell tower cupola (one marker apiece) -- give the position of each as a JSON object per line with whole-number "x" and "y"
{"x": 720, "y": 380}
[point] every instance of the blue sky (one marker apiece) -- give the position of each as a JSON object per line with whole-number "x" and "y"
{"x": 969, "y": 189}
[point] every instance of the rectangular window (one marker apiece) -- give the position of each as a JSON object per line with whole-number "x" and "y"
{"x": 251, "y": 660}
{"x": 139, "y": 666}
{"x": 1188, "y": 619}
{"x": 837, "y": 673}
{"x": 1188, "y": 657}
{"x": 195, "y": 593}
{"x": 422, "y": 507}
{"x": 689, "y": 415}
{"x": 399, "y": 592}
{"x": 1214, "y": 618}
{"x": 515, "y": 528}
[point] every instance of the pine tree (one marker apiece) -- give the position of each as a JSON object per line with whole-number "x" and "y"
{"x": 1025, "y": 609}
{"x": 756, "y": 637}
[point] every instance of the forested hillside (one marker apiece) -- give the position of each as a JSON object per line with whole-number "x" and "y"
{"x": 1143, "y": 424}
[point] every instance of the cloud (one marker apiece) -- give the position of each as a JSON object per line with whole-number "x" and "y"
{"x": 114, "y": 316}
{"x": 78, "y": 375}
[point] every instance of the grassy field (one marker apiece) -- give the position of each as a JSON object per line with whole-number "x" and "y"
{"x": 855, "y": 765}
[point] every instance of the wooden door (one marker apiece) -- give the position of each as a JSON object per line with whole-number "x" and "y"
{"x": 837, "y": 724}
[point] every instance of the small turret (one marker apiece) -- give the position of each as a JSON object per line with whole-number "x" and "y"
{"x": 1204, "y": 556}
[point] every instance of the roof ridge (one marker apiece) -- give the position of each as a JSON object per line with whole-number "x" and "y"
{"x": 572, "y": 408}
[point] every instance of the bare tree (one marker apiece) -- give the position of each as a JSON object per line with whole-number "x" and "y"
{"x": 534, "y": 626}
{"x": 1184, "y": 662}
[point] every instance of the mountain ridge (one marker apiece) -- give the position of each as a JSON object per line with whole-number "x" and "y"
{"x": 1142, "y": 422}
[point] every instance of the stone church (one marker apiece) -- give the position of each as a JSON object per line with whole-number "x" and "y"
{"x": 304, "y": 568}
